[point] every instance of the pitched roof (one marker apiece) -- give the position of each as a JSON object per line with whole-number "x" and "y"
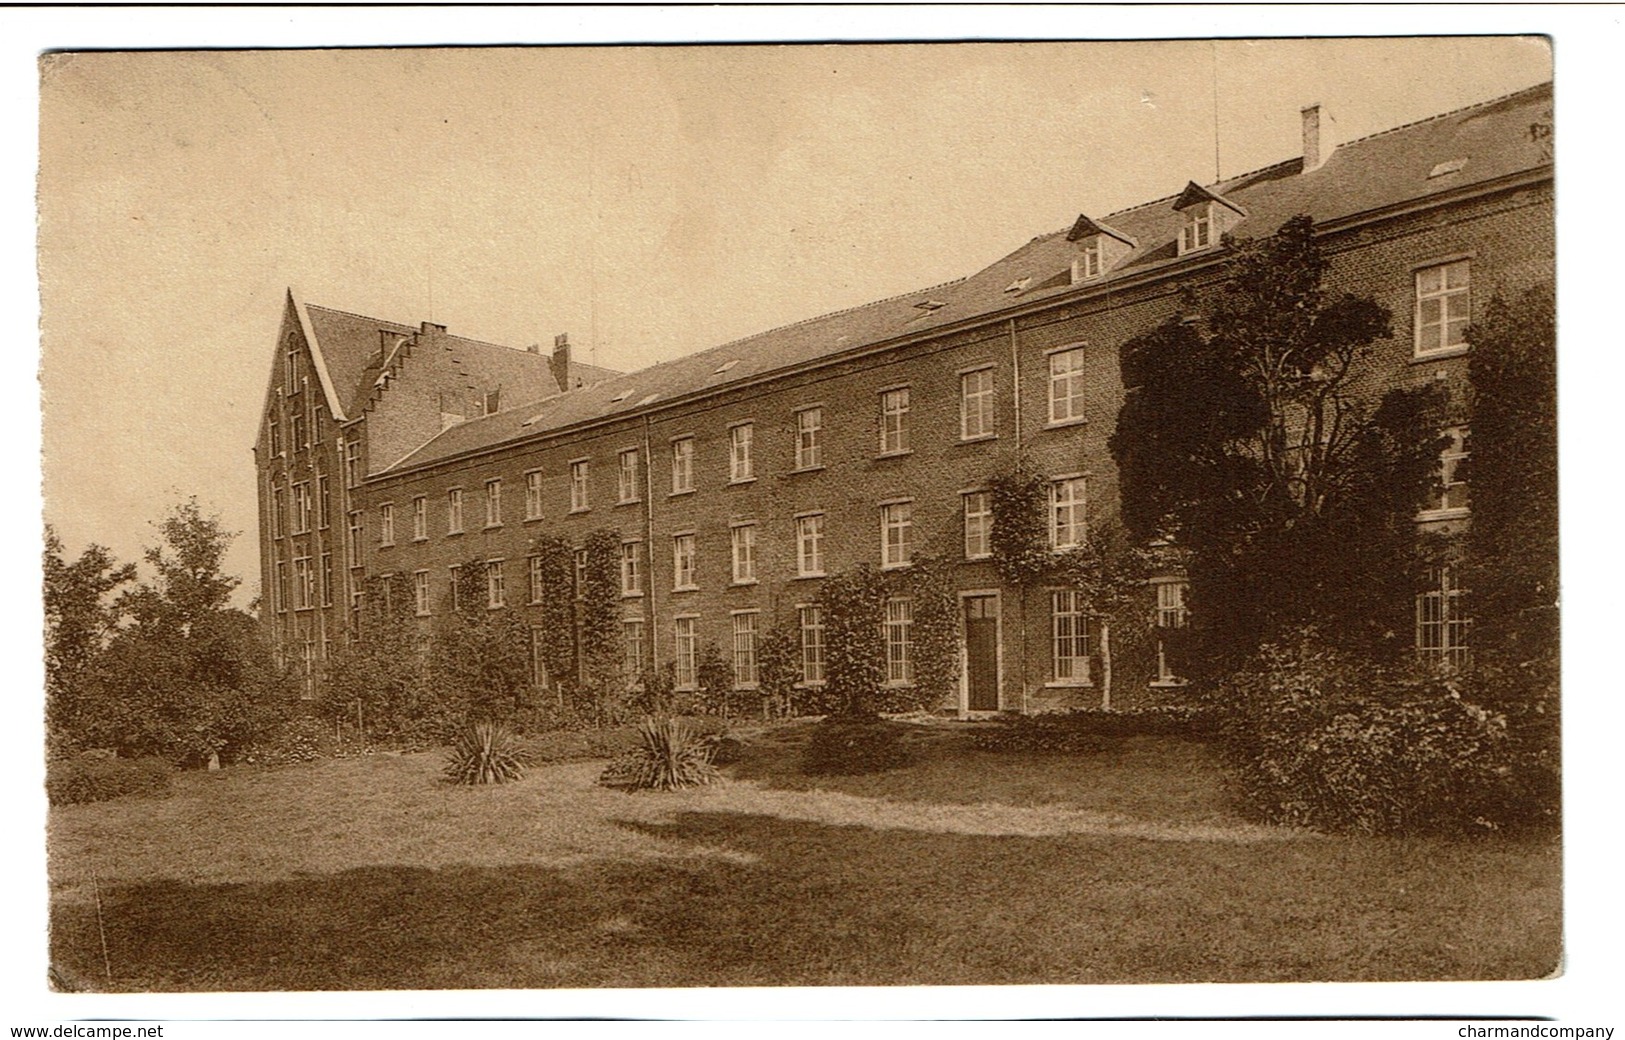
{"x": 349, "y": 346}
{"x": 1384, "y": 169}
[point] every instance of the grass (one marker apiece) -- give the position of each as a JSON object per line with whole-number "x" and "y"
{"x": 969, "y": 868}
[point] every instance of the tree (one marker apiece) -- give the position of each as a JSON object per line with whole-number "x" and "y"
{"x": 854, "y": 608}
{"x": 81, "y": 615}
{"x": 189, "y": 678}
{"x": 383, "y": 670}
{"x": 480, "y": 661}
{"x": 1249, "y": 440}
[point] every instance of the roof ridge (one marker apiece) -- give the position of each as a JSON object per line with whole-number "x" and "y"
{"x": 1453, "y": 112}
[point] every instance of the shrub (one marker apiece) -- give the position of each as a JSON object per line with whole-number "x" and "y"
{"x": 484, "y": 753}
{"x": 92, "y": 777}
{"x": 670, "y": 755}
{"x": 1320, "y": 740}
{"x": 848, "y": 747}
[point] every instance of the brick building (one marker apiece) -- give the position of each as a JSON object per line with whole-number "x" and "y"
{"x": 738, "y": 477}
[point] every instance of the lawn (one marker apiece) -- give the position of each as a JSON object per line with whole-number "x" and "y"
{"x": 971, "y": 867}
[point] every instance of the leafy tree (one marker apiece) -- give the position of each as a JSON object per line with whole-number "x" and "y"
{"x": 189, "y": 677}
{"x": 481, "y": 655}
{"x": 603, "y": 687}
{"x": 1250, "y": 441}
{"x": 383, "y": 669}
{"x": 779, "y": 665}
{"x": 854, "y": 606}
{"x": 81, "y": 615}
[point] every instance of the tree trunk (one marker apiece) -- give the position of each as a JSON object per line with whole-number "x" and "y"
{"x": 1106, "y": 663}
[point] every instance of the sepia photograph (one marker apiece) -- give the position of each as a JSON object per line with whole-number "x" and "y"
{"x": 800, "y": 514}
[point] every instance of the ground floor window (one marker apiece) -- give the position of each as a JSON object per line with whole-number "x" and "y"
{"x": 899, "y": 641}
{"x": 1442, "y": 625}
{"x": 633, "y": 665}
{"x": 745, "y": 649}
{"x": 1171, "y": 631}
{"x": 685, "y": 657}
{"x": 1069, "y": 636}
{"x": 812, "y": 644}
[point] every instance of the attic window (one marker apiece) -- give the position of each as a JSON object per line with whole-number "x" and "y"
{"x": 1452, "y": 166}
{"x": 725, "y": 366}
{"x": 1197, "y": 232}
{"x": 1090, "y": 261}
{"x": 618, "y": 398}
{"x": 493, "y": 401}
{"x": 1019, "y": 285}
{"x": 930, "y": 305}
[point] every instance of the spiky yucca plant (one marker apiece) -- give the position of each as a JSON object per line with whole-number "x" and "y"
{"x": 484, "y": 753}
{"x": 670, "y": 756}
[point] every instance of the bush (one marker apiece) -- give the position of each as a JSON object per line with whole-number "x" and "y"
{"x": 848, "y": 747}
{"x": 93, "y": 777}
{"x": 1320, "y": 740}
{"x": 1091, "y": 729}
{"x": 671, "y": 755}
{"x": 484, "y": 753}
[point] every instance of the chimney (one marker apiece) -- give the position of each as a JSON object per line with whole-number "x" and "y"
{"x": 1319, "y": 136}
{"x": 559, "y": 363}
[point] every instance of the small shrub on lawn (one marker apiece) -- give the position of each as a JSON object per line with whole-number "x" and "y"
{"x": 670, "y": 755}
{"x": 1092, "y": 729}
{"x": 846, "y": 747}
{"x": 92, "y": 777}
{"x": 1322, "y": 740}
{"x": 484, "y": 753}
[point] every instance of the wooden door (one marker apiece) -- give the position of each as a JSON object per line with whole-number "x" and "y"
{"x": 982, "y": 653}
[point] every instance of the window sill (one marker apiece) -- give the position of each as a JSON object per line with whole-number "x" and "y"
{"x": 582, "y": 509}
{"x": 1441, "y": 355}
{"x": 807, "y": 469}
{"x": 424, "y": 538}
{"x": 895, "y": 454}
{"x": 979, "y": 438}
{"x": 451, "y": 534}
{"x": 1433, "y": 515}
{"x": 740, "y": 480}
{"x": 492, "y": 527}
{"x": 1167, "y": 684}
{"x": 1061, "y": 424}
{"x": 747, "y": 581}
{"x": 686, "y": 588}
{"x": 979, "y": 558}
{"x": 531, "y": 519}
{"x": 631, "y": 595}
{"x": 897, "y": 566}
{"x": 748, "y": 687}
{"x": 810, "y": 574}
{"x": 629, "y": 502}
{"x": 1069, "y": 684}
{"x": 421, "y": 613}
{"x": 386, "y": 545}
{"x": 808, "y": 684}
{"x": 680, "y": 494}
{"x": 899, "y": 684}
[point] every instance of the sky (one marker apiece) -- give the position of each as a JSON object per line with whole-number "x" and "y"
{"x": 649, "y": 201}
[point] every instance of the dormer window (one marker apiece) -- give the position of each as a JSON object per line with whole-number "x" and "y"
{"x": 1100, "y": 248}
{"x": 1088, "y": 264}
{"x": 1198, "y": 230}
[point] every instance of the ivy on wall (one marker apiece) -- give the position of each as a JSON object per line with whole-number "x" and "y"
{"x": 556, "y": 612}
{"x": 854, "y": 606}
{"x": 481, "y": 656}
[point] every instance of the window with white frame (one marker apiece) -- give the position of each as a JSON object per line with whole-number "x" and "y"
{"x": 811, "y": 618}
{"x": 740, "y": 465}
{"x": 352, "y": 463}
{"x": 454, "y": 511}
{"x": 631, "y": 569}
{"x": 896, "y": 534}
{"x": 1443, "y": 307}
{"x": 682, "y": 465}
{"x": 1066, "y": 385}
{"x": 578, "y": 486}
{"x": 493, "y": 503}
{"x": 420, "y": 593}
{"x": 386, "y": 524}
{"x": 1451, "y": 497}
{"x": 899, "y": 640}
{"x": 304, "y": 584}
{"x": 1067, "y": 527}
{"x": 685, "y": 656}
{"x": 1442, "y": 624}
{"x": 632, "y": 641}
{"x": 496, "y": 593}
{"x": 745, "y": 648}
{"x": 533, "y": 495}
{"x": 1172, "y": 618}
{"x": 744, "y": 553}
{"x": 978, "y": 524}
{"x": 420, "y": 518}
{"x": 454, "y": 575}
{"x": 301, "y": 507}
{"x": 1069, "y": 637}
{"x": 682, "y": 562}
{"x": 809, "y": 438}
{"x": 1197, "y": 231}
{"x": 1089, "y": 263}
{"x": 537, "y": 582}
{"x": 894, "y": 421}
{"x": 976, "y": 404}
{"x": 626, "y": 476}
{"x": 810, "y": 545}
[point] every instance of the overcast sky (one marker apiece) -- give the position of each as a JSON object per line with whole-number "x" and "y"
{"x": 649, "y": 201}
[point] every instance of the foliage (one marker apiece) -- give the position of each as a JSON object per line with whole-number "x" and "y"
{"x": 1512, "y": 557}
{"x": 602, "y": 686}
{"x": 1092, "y": 729}
{"x": 935, "y": 595}
{"x": 854, "y": 607}
{"x": 189, "y": 677}
{"x": 556, "y": 617}
{"x": 715, "y": 677}
{"x": 847, "y": 746}
{"x": 379, "y": 677}
{"x": 480, "y": 660}
{"x": 81, "y": 615}
{"x": 778, "y": 666}
{"x": 1019, "y": 540}
{"x": 670, "y": 756}
{"x": 484, "y": 753}
{"x": 1325, "y": 739}
{"x": 1292, "y": 493}
{"x": 96, "y": 778}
